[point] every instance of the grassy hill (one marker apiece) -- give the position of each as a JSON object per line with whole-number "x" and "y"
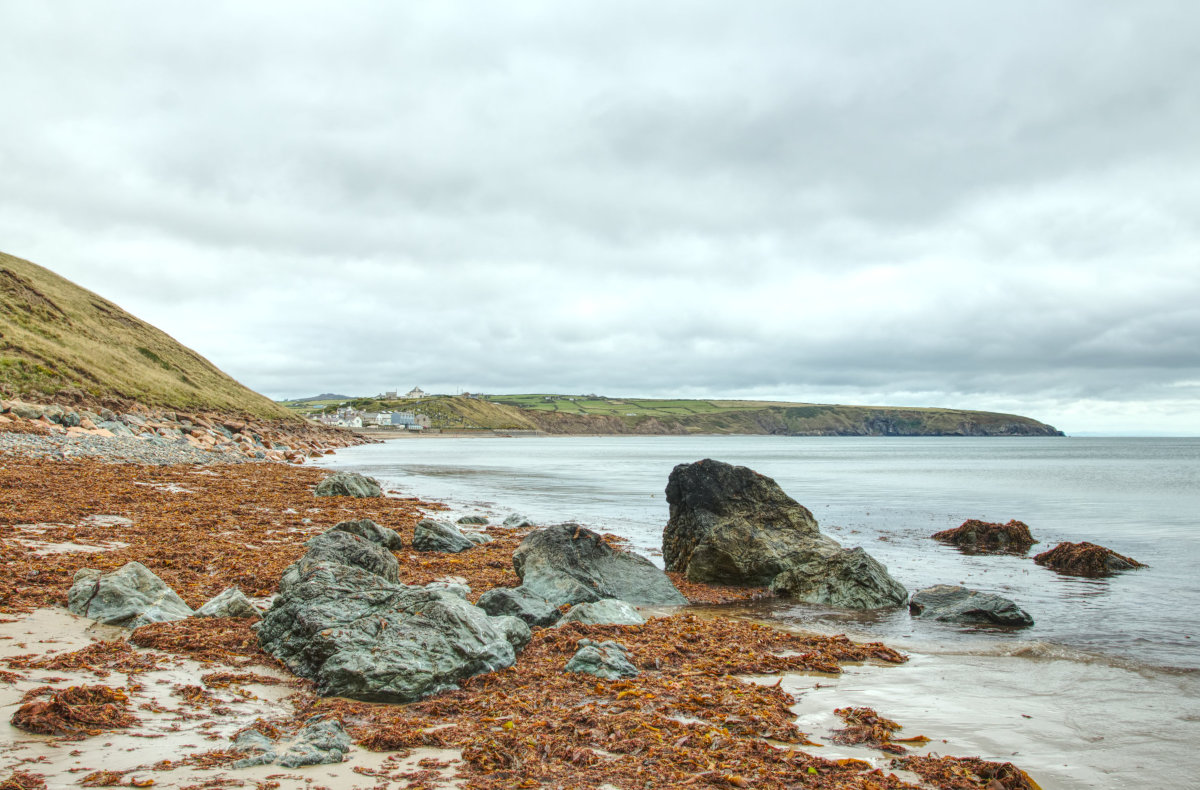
{"x": 60, "y": 341}
{"x": 593, "y": 414}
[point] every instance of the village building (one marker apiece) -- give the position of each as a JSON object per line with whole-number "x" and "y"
{"x": 416, "y": 392}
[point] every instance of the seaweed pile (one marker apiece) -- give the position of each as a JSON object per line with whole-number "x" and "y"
{"x": 966, "y": 773}
{"x": 1085, "y": 559}
{"x": 75, "y": 712}
{"x": 865, "y": 726}
{"x": 987, "y": 536}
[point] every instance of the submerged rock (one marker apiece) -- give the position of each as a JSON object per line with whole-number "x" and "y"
{"x": 953, "y": 604}
{"x": 606, "y": 660}
{"x": 130, "y": 596}
{"x": 349, "y": 484}
{"x": 319, "y": 742}
{"x": 606, "y": 612}
{"x": 231, "y": 603}
{"x": 362, "y": 635}
{"x": 568, "y": 564}
{"x": 1085, "y": 559}
{"x": 984, "y": 536}
{"x": 366, "y": 528}
{"x": 732, "y": 525}
{"x": 849, "y": 578}
{"x": 439, "y": 536}
{"x": 519, "y": 602}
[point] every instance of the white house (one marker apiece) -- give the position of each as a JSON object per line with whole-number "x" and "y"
{"x": 415, "y": 392}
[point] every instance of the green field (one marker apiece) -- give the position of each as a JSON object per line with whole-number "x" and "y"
{"x": 594, "y": 414}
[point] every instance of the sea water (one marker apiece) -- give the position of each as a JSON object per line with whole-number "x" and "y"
{"x": 1103, "y": 690}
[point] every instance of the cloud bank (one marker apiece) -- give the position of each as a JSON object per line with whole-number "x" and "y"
{"x": 951, "y": 204}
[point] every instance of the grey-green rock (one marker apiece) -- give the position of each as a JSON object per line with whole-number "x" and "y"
{"x": 519, "y": 602}
{"x": 473, "y": 520}
{"x": 349, "y": 484}
{"x": 606, "y": 612}
{"x": 320, "y": 741}
{"x": 849, "y": 578}
{"x": 606, "y": 660}
{"x": 954, "y": 604}
{"x": 350, "y": 549}
{"x": 366, "y": 528}
{"x": 517, "y": 520}
{"x": 130, "y": 596}
{"x": 230, "y": 603}
{"x": 569, "y": 564}
{"x": 430, "y": 535}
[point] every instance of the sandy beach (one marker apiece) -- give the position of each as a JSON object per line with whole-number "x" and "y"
{"x": 699, "y": 715}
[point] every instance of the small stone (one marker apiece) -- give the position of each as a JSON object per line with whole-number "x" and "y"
{"x": 954, "y": 604}
{"x": 230, "y": 603}
{"x": 350, "y": 484}
{"x": 607, "y": 660}
{"x": 516, "y": 521}
{"x": 473, "y": 520}
{"x": 606, "y": 612}
{"x": 439, "y": 536}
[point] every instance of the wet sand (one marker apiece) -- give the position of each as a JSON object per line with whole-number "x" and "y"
{"x": 160, "y": 735}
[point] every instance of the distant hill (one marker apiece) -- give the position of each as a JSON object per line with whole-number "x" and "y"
{"x": 592, "y": 414}
{"x": 60, "y": 341}
{"x": 324, "y": 396}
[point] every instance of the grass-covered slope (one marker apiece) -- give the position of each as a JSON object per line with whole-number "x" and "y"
{"x": 592, "y": 414}
{"x": 60, "y": 341}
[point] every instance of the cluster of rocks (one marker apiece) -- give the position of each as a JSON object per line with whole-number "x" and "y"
{"x": 133, "y": 596}
{"x": 166, "y": 436}
{"x": 343, "y": 620}
{"x": 1075, "y": 559}
{"x": 731, "y": 525}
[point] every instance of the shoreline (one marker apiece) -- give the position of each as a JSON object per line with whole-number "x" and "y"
{"x": 182, "y": 524}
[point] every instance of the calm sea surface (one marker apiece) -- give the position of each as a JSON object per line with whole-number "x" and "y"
{"x": 1140, "y": 497}
{"x": 1102, "y": 692}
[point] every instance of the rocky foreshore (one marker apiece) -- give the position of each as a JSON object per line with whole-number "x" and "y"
{"x": 149, "y": 436}
{"x": 516, "y": 662}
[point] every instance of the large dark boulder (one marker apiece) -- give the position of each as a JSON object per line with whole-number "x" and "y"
{"x": 360, "y": 634}
{"x": 849, "y": 578}
{"x": 569, "y": 564}
{"x": 349, "y": 484}
{"x": 732, "y": 525}
{"x": 953, "y": 604}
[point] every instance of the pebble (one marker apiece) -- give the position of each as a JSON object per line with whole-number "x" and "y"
{"x": 115, "y": 449}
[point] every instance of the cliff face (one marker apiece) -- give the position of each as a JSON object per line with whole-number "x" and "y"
{"x": 803, "y": 421}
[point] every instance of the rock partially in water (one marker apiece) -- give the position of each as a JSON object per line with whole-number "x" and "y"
{"x": 349, "y": 549}
{"x": 606, "y": 660}
{"x": 129, "y": 597}
{"x": 349, "y": 484}
{"x": 849, "y": 578}
{"x": 519, "y": 602}
{"x": 362, "y": 635}
{"x": 953, "y": 604}
{"x": 732, "y": 525}
{"x": 320, "y": 741}
{"x": 231, "y": 603}
{"x": 366, "y": 528}
{"x": 517, "y": 520}
{"x": 473, "y": 520}
{"x": 1085, "y": 559}
{"x": 987, "y": 536}
{"x": 440, "y": 536}
{"x": 606, "y": 612}
{"x": 569, "y": 564}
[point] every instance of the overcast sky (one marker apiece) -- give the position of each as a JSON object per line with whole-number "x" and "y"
{"x": 968, "y": 204}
